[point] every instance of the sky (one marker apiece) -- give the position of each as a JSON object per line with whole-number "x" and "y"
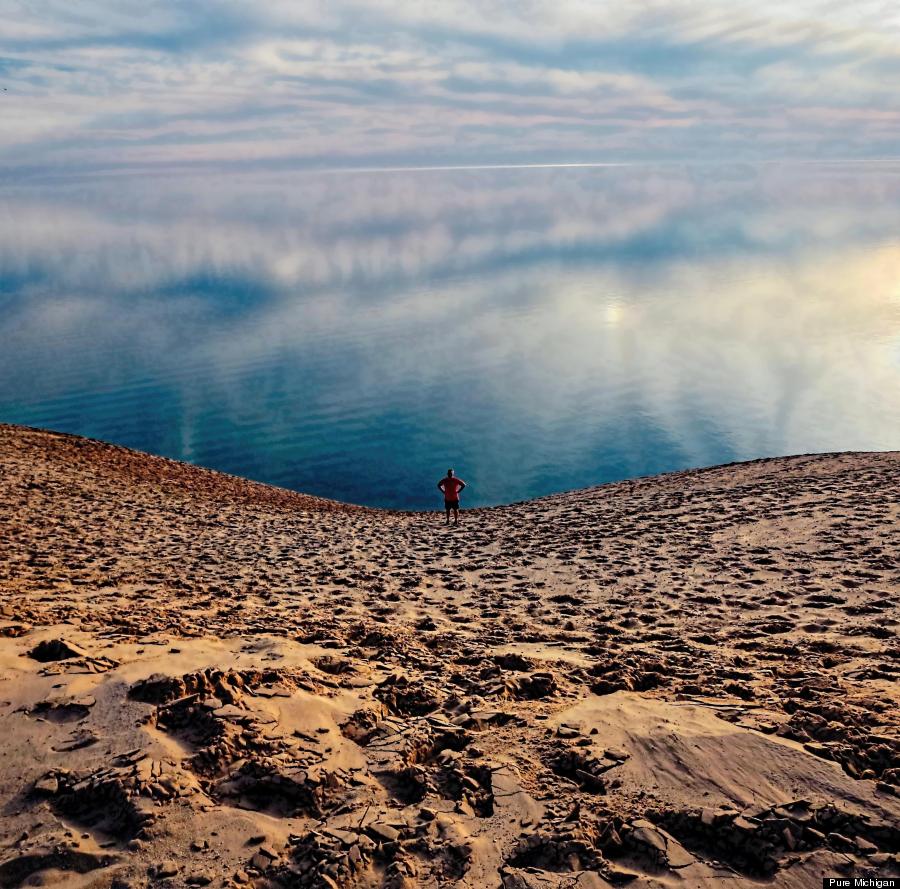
{"x": 139, "y": 85}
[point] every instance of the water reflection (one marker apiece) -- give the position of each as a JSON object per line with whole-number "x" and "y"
{"x": 541, "y": 330}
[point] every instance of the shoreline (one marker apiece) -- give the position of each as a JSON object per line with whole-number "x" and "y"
{"x": 669, "y": 474}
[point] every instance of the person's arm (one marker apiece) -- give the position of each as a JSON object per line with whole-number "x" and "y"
{"x": 441, "y": 485}
{"x": 462, "y": 484}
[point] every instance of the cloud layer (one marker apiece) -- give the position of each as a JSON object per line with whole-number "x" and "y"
{"x": 102, "y": 85}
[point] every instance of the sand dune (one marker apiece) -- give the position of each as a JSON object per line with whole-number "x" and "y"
{"x": 680, "y": 681}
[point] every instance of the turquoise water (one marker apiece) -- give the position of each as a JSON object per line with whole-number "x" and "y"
{"x": 354, "y": 334}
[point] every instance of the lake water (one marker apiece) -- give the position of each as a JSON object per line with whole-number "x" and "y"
{"x": 354, "y": 334}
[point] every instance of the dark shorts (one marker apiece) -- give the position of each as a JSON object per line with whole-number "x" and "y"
{"x": 451, "y": 504}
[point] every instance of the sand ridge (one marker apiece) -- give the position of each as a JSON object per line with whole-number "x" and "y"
{"x": 683, "y": 680}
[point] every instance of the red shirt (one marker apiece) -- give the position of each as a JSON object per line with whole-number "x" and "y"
{"x": 451, "y": 487}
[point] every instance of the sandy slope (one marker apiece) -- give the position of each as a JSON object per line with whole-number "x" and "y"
{"x": 688, "y": 680}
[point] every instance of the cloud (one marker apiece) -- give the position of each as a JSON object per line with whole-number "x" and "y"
{"x": 131, "y": 85}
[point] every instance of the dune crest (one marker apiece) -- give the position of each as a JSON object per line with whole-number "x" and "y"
{"x": 687, "y": 680}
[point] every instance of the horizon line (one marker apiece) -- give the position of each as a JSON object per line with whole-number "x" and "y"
{"x": 23, "y": 176}
{"x": 591, "y": 164}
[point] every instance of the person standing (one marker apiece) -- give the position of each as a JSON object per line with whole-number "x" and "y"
{"x": 451, "y": 486}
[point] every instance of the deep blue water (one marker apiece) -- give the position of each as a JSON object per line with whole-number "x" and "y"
{"x": 352, "y": 335}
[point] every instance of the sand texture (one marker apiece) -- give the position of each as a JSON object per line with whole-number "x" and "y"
{"x": 681, "y": 681}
